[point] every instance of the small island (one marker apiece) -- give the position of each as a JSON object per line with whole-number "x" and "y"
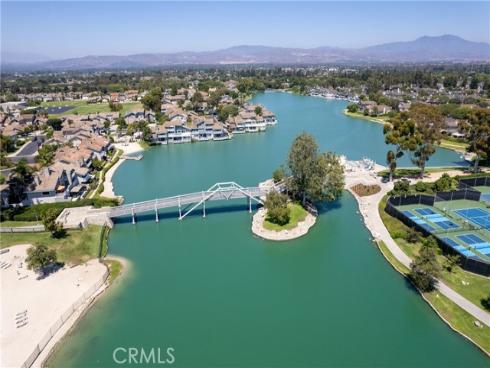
{"x": 310, "y": 177}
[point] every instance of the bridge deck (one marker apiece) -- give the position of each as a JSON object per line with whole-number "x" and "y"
{"x": 218, "y": 192}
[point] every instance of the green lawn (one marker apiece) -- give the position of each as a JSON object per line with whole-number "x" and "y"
{"x": 454, "y": 145}
{"x": 83, "y": 108}
{"x": 454, "y": 315}
{"x": 360, "y": 115}
{"x": 297, "y": 214}
{"x": 77, "y": 247}
{"x": 19, "y": 223}
{"x": 471, "y": 286}
{"x": 115, "y": 268}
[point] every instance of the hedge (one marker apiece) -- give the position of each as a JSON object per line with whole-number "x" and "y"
{"x": 34, "y": 212}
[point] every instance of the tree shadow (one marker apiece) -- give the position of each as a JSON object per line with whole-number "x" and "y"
{"x": 49, "y": 270}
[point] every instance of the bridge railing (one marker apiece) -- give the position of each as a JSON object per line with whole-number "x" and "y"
{"x": 220, "y": 191}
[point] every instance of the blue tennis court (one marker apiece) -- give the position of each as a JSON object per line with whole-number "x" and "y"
{"x": 424, "y": 211}
{"x": 459, "y": 248}
{"x": 418, "y": 221}
{"x": 441, "y": 221}
{"x": 470, "y": 239}
{"x": 485, "y": 197}
{"x": 478, "y": 216}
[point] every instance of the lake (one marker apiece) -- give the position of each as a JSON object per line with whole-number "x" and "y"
{"x": 223, "y": 298}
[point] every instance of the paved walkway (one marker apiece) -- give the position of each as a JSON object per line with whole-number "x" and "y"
{"x": 372, "y": 219}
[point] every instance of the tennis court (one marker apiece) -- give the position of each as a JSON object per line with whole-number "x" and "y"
{"x": 418, "y": 221}
{"x": 478, "y": 216}
{"x": 461, "y": 249}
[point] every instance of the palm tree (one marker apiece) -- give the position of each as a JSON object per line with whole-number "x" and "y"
{"x": 391, "y": 161}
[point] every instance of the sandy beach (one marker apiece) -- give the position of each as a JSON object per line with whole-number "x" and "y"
{"x": 34, "y": 310}
{"x": 127, "y": 148}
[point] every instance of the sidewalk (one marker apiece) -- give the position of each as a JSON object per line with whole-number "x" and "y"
{"x": 369, "y": 209}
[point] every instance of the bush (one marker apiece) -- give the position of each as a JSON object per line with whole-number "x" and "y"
{"x": 278, "y": 211}
{"x": 412, "y": 236}
{"x": 445, "y": 183}
{"x": 398, "y": 234}
{"x": 421, "y": 186}
{"x": 35, "y": 212}
{"x": 401, "y": 187}
{"x": 486, "y": 302}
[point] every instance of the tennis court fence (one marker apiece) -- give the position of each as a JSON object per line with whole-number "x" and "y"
{"x": 474, "y": 265}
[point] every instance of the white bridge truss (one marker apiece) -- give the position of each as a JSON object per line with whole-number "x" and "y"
{"x": 187, "y": 203}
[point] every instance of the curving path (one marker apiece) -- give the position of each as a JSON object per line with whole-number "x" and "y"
{"x": 372, "y": 219}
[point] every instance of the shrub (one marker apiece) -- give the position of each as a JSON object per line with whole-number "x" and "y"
{"x": 486, "y": 302}
{"x": 445, "y": 183}
{"x": 421, "y": 186}
{"x": 412, "y": 236}
{"x": 278, "y": 211}
{"x": 401, "y": 187}
{"x": 35, "y": 212}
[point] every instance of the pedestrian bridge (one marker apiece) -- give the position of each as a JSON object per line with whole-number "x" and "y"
{"x": 186, "y": 203}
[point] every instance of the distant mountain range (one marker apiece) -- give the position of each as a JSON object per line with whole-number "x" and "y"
{"x": 447, "y": 48}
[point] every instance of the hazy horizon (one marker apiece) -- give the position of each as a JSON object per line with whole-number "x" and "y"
{"x": 57, "y": 30}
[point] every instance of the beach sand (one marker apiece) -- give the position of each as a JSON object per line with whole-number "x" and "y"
{"x": 40, "y": 303}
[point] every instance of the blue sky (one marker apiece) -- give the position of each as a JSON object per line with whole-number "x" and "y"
{"x": 70, "y": 29}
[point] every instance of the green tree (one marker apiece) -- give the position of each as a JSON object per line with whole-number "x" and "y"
{"x": 7, "y": 144}
{"x": 352, "y": 108}
{"x": 278, "y": 175}
{"x": 225, "y": 111}
{"x": 451, "y": 261}
{"x": 258, "y": 110}
{"x": 55, "y": 123}
{"x": 314, "y": 176}
{"x": 478, "y": 134}
{"x": 424, "y": 269}
{"x": 153, "y": 100}
{"x": 391, "y": 162}
{"x": 114, "y": 106}
{"x": 46, "y": 154}
{"x": 278, "y": 211}
{"x": 39, "y": 257}
{"x": 48, "y": 219}
{"x": 445, "y": 183}
{"x": 428, "y": 121}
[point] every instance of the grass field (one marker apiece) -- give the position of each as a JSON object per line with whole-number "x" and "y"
{"x": 297, "y": 214}
{"x": 454, "y": 145}
{"x": 77, "y": 247}
{"x": 83, "y": 108}
{"x": 360, "y": 115}
{"x": 19, "y": 223}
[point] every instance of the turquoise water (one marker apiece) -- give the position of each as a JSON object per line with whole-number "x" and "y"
{"x": 224, "y": 298}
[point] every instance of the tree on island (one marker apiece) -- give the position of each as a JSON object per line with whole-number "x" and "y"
{"x": 278, "y": 175}
{"x": 424, "y": 269}
{"x": 39, "y": 257}
{"x": 278, "y": 211}
{"x": 314, "y": 176}
{"x": 477, "y": 130}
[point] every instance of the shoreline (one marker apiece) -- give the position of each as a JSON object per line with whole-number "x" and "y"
{"x": 71, "y": 323}
{"x": 127, "y": 148}
{"x": 301, "y": 229}
{"x": 401, "y": 258}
